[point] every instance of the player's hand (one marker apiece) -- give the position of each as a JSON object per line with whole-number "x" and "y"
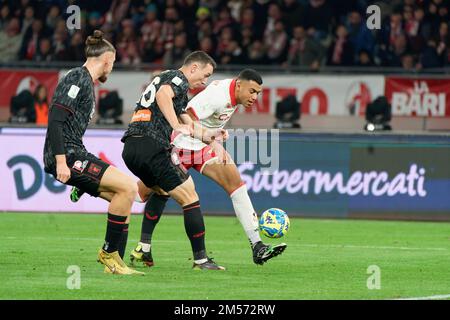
{"x": 220, "y": 152}
{"x": 214, "y": 134}
{"x": 185, "y": 129}
{"x": 226, "y": 135}
{"x": 62, "y": 172}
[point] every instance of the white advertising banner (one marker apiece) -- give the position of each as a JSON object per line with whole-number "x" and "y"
{"x": 26, "y": 187}
{"x": 327, "y": 95}
{"x": 318, "y": 94}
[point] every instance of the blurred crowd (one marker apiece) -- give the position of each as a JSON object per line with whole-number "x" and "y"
{"x": 414, "y": 34}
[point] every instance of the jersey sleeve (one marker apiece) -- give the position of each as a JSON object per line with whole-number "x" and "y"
{"x": 202, "y": 105}
{"x": 68, "y": 93}
{"x": 175, "y": 82}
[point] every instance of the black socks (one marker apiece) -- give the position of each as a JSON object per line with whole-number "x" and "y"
{"x": 195, "y": 229}
{"x": 152, "y": 213}
{"x": 114, "y": 231}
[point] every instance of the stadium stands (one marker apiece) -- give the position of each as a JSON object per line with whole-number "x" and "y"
{"x": 414, "y": 34}
{"x": 322, "y": 39}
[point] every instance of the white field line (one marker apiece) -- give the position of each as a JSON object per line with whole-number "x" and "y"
{"x": 309, "y": 245}
{"x": 437, "y": 297}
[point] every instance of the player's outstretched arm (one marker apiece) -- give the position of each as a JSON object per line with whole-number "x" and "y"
{"x": 200, "y": 132}
{"x": 164, "y": 98}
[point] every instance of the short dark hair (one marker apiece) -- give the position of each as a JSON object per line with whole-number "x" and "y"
{"x": 96, "y": 45}
{"x": 201, "y": 57}
{"x": 250, "y": 75}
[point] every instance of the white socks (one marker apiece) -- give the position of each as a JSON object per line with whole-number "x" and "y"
{"x": 145, "y": 246}
{"x": 200, "y": 261}
{"x": 245, "y": 213}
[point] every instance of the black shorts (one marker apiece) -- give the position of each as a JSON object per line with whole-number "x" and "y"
{"x": 86, "y": 171}
{"x": 154, "y": 164}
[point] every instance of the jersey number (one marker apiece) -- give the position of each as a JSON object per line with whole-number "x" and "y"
{"x": 148, "y": 97}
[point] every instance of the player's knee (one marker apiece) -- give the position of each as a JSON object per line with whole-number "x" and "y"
{"x": 192, "y": 197}
{"x": 129, "y": 190}
{"x": 187, "y": 197}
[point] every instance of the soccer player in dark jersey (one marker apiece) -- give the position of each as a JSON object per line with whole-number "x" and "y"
{"x": 148, "y": 153}
{"x": 213, "y": 108}
{"x": 66, "y": 158}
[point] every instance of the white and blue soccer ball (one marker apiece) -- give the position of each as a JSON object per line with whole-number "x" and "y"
{"x": 274, "y": 223}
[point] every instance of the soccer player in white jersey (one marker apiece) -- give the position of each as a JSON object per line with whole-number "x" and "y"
{"x": 212, "y": 108}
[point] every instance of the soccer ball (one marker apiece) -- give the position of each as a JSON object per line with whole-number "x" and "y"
{"x": 274, "y": 223}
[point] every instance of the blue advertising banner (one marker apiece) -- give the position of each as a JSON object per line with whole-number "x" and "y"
{"x": 340, "y": 176}
{"x": 381, "y": 176}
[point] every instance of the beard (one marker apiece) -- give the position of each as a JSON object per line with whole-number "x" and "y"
{"x": 103, "y": 79}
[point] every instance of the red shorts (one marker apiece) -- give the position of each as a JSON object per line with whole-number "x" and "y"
{"x": 196, "y": 159}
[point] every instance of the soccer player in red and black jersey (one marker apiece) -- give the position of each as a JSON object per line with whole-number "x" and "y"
{"x": 148, "y": 152}
{"x": 66, "y": 158}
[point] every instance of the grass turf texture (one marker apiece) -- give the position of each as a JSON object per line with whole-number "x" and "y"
{"x": 325, "y": 259}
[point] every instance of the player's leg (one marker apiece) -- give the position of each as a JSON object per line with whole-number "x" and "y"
{"x": 108, "y": 196}
{"x": 142, "y": 195}
{"x": 186, "y": 196}
{"x": 156, "y": 166}
{"x": 194, "y": 225}
{"x": 96, "y": 177}
{"x": 139, "y": 160}
{"x": 154, "y": 208}
{"x": 181, "y": 188}
{"x": 228, "y": 177}
{"x": 120, "y": 190}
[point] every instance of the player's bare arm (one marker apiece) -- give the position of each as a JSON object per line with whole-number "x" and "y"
{"x": 206, "y": 135}
{"x": 62, "y": 170}
{"x": 164, "y": 98}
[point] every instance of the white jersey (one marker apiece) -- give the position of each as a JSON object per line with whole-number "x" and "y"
{"x": 213, "y": 107}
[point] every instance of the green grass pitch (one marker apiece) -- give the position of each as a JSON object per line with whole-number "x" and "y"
{"x": 325, "y": 259}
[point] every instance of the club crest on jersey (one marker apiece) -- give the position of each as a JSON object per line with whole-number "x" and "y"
{"x": 80, "y": 166}
{"x": 224, "y": 116}
{"x": 94, "y": 169}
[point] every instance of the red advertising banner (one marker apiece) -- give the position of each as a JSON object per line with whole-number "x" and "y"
{"x": 14, "y": 81}
{"x": 418, "y": 97}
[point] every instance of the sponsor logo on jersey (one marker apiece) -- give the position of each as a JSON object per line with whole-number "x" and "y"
{"x": 141, "y": 115}
{"x": 177, "y": 81}
{"x": 73, "y": 91}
